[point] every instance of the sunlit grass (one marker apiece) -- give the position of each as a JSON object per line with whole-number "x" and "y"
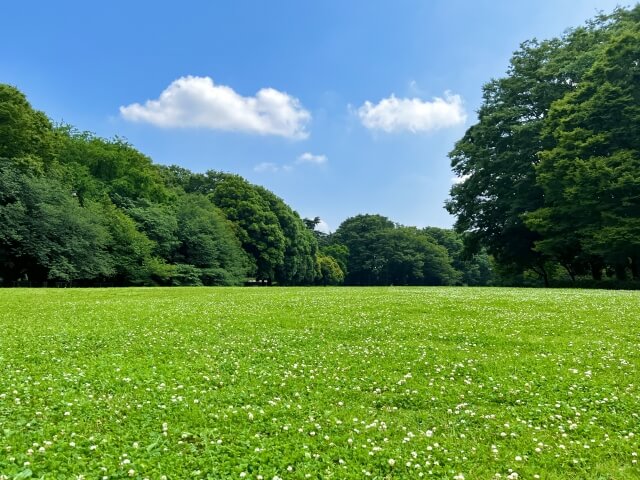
{"x": 284, "y": 383}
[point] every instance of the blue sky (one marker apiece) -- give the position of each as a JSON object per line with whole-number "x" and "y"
{"x": 339, "y": 107}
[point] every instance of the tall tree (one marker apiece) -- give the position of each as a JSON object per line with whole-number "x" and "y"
{"x": 25, "y": 134}
{"x": 591, "y": 213}
{"x": 256, "y": 225}
{"x": 207, "y": 243}
{"x": 496, "y": 158}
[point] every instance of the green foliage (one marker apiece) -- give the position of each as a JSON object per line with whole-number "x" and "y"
{"x": 589, "y": 174}
{"x": 279, "y": 245}
{"x": 383, "y": 253}
{"x": 298, "y": 266}
{"x": 474, "y": 268}
{"x": 160, "y": 224}
{"x": 113, "y": 166}
{"x": 339, "y": 252}
{"x": 549, "y": 173}
{"x": 207, "y": 242}
{"x": 256, "y": 225}
{"x": 79, "y": 208}
{"x": 46, "y": 234}
{"x": 131, "y": 251}
{"x": 25, "y": 134}
{"x": 330, "y": 272}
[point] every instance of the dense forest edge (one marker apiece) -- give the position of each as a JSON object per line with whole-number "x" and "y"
{"x": 548, "y": 194}
{"x": 77, "y": 209}
{"x": 550, "y": 174}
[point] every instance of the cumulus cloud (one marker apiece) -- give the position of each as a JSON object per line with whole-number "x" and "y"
{"x": 413, "y": 114}
{"x": 323, "y": 227}
{"x": 198, "y": 102}
{"x": 312, "y": 159}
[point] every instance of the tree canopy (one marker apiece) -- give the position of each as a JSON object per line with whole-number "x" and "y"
{"x": 550, "y": 171}
{"x": 80, "y": 208}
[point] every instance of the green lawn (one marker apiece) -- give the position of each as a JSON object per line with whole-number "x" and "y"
{"x": 319, "y": 383}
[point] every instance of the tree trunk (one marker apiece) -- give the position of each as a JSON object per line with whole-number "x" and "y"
{"x": 570, "y": 271}
{"x": 542, "y": 272}
{"x": 596, "y": 268}
{"x": 635, "y": 267}
{"x": 621, "y": 271}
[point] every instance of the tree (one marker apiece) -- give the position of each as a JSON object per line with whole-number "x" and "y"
{"x": 311, "y": 223}
{"x": 282, "y": 249}
{"x": 338, "y": 251}
{"x": 131, "y": 251}
{"x": 256, "y": 225}
{"x": 25, "y": 133}
{"x": 474, "y": 268}
{"x": 207, "y": 243}
{"x": 330, "y": 271}
{"x": 112, "y": 166}
{"x": 46, "y": 234}
{"x": 298, "y": 266}
{"x": 360, "y": 234}
{"x": 589, "y": 172}
{"x": 383, "y": 253}
{"x": 497, "y": 157}
{"x": 77, "y": 207}
{"x": 158, "y": 222}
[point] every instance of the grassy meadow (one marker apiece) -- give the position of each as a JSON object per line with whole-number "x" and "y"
{"x": 288, "y": 383}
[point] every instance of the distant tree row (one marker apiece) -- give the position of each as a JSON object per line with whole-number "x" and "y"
{"x": 550, "y": 174}
{"x": 79, "y": 209}
{"x": 372, "y": 250}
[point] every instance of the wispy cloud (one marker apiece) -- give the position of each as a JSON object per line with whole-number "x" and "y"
{"x": 306, "y": 158}
{"x": 312, "y": 159}
{"x": 198, "y": 102}
{"x": 414, "y": 115}
{"x": 266, "y": 167}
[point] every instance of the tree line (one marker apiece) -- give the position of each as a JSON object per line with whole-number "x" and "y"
{"x": 549, "y": 191}
{"x": 83, "y": 210}
{"x": 550, "y": 173}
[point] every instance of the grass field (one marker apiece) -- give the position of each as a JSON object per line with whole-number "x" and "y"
{"x": 264, "y": 383}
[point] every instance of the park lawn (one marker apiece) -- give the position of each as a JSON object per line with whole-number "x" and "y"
{"x": 264, "y": 383}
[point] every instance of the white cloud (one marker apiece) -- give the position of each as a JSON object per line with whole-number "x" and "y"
{"x": 266, "y": 167}
{"x": 412, "y": 114}
{"x": 198, "y": 102}
{"x": 312, "y": 159}
{"x": 305, "y": 158}
{"x": 323, "y": 227}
